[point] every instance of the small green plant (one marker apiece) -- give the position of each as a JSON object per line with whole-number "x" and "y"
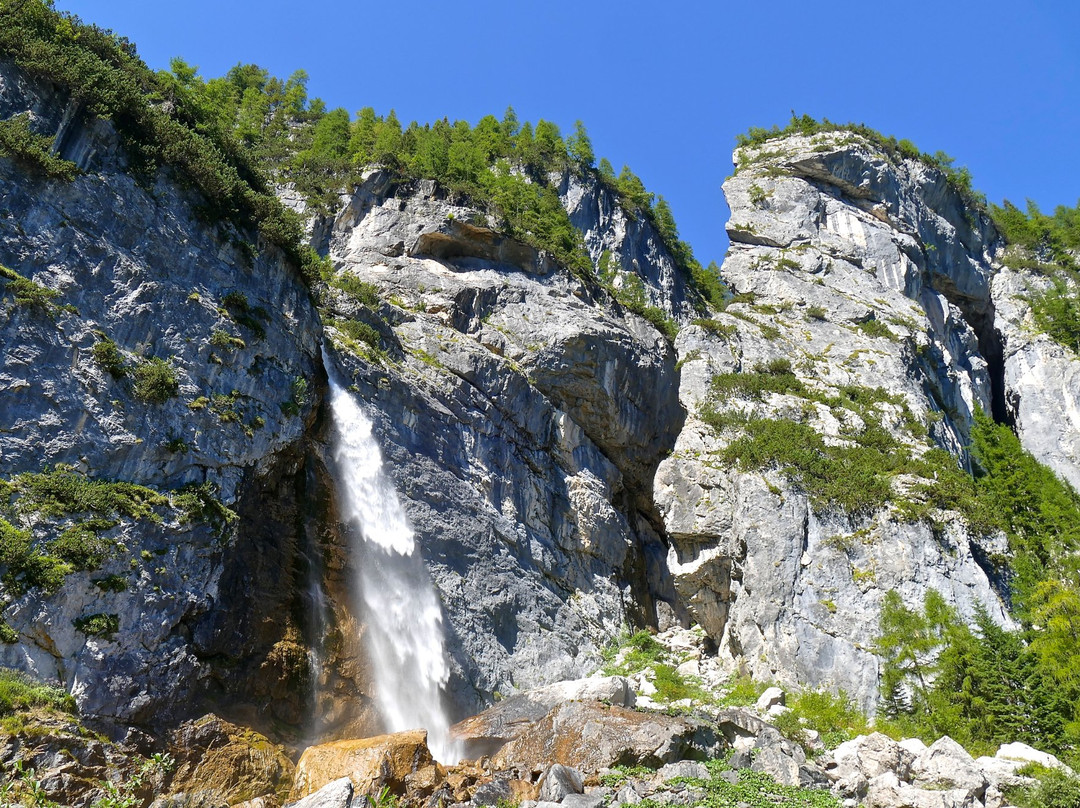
{"x": 155, "y": 381}
{"x": 98, "y": 625}
{"x": 26, "y": 292}
{"x": 110, "y": 358}
{"x": 366, "y": 293}
{"x": 816, "y": 313}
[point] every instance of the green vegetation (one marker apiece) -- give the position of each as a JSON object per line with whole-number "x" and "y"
{"x": 19, "y": 142}
{"x": 751, "y": 789}
{"x": 223, "y": 339}
{"x": 876, "y": 328}
{"x": 366, "y": 293}
{"x": 98, "y": 625}
{"x": 1047, "y": 245}
{"x": 633, "y": 653}
{"x": 1056, "y": 789}
{"x": 155, "y": 381}
{"x": 26, "y": 292}
{"x": 109, "y": 358}
{"x": 854, "y": 476}
{"x": 1057, "y": 313}
{"x": 161, "y": 121}
{"x": 834, "y": 716}
{"x": 981, "y": 684}
{"x": 20, "y": 692}
{"x": 895, "y": 150}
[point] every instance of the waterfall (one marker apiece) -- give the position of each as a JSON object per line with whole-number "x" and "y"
{"x": 401, "y": 612}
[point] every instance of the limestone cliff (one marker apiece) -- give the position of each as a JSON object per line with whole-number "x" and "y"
{"x": 174, "y": 352}
{"x": 567, "y": 467}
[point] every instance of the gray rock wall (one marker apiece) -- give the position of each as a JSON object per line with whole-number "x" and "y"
{"x": 861, "y": 272}
{"x": 133, "y": 262}
{"x": 522, "y": 415}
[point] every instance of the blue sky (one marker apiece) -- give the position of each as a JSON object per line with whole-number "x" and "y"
{"x": 666, "y": 87}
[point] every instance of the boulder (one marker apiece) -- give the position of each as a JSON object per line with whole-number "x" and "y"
{"x": 559, "y": 781}
{"x": 770, "y": 698}
{"x": 368, "y": 763}
{"x": 777, "y": 757}
{"x": 887, "y": 791}
{"x": 485, "y": 733}
{"x": 589, "y": 736}
{"x": 946, "y": 765}
{"x": 335, "y": 794}
{"x": 1027, "y": 754}
{"x": 224, "y": 761}
{"x": 853, "y": 764}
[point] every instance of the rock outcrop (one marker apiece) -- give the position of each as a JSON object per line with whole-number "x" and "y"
{"x": 854, "y": 272}
{"x": 175, "y": 351}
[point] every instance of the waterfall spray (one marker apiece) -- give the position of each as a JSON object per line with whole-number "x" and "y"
{"x": 400, "y": 608}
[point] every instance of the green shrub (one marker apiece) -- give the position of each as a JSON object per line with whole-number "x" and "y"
{"x": 20, "y": 692}
{"x": 18, "y": 141}
{"x": 223, "y": 339}
{"x": 776, "y": 376}
{"x": 834, "y": 716}
{"x": 876, "y": 328}
{"x": 816, "y": 313}
{"x": 366, "y": 293}
{"x": 1057, "y": 314}
{"x": 109, "y": 358}
{"x": 716, "y": 327}
{"x": 1055, "y": 789}
{"x": 81, "y": 547}
{"x": 155, "y": 381}
{"x": 64, "y": 491}
{"x": 111, "y": 583}
{"x": 359, "y": 332}
{"x": 742, "y": 691}
{"x": 98, "y": 625}
{"x": 26, "y": 292}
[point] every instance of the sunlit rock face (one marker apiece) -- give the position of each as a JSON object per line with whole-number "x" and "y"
{"x": 861, "y": 271}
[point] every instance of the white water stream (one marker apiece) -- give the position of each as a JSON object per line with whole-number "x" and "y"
{"x": 401, "y": 611}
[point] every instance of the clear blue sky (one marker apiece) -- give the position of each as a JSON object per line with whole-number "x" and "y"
{"x": 665, "y": 87}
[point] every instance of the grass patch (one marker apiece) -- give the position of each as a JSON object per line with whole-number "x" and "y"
{"x": 20, "y": 692}
{"x": 877, "y": 329}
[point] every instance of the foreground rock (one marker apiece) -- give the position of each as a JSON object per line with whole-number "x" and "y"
{"x": 370, "y": 764}
{"x": 589, "y": 736}
{"x": 487, "y": 732}
{"x": 219, "y": 761}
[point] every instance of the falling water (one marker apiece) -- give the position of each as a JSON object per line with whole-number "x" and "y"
{"x": 403, "y": 616}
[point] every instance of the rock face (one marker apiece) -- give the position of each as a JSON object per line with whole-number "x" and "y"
{"x": 136, "y": 268}
{"x": 369, "y": 763}
{"x": 522, "y": 413}
{"x": 861, "y": 273}
{"x": 1042, "y": 378}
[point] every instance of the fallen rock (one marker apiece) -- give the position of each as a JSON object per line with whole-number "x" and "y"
{"x": 946, "y": 765}
{"x": 770, "y": 698}
{"x": 1028, "y": 754}
{"x": 335, "y": 794}
{"x": 485, "y": 733}
{"x": 369, "y": 763}
{"x": 559, "y": 781}
{"x": 853, "y": 764}
{"x": 589, "y": 736}
{"x": 778, "y": 757}
{"x": 886, "y": 791}
{"x": 228, "y": 763}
